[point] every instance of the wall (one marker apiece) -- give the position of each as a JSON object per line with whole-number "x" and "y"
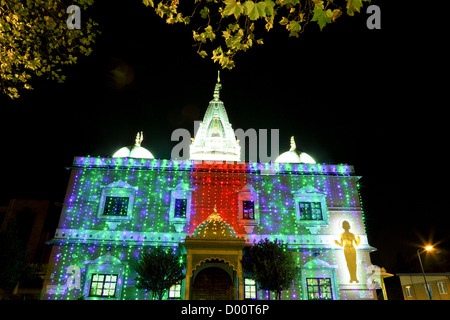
{"x": 83, "y": 236}
{"x": 417, "y": 286}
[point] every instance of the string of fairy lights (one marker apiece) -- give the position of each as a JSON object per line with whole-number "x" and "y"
{"x": 84, "y": 234}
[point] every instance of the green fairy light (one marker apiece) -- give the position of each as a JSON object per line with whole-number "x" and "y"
{"x": 93, "y": 234}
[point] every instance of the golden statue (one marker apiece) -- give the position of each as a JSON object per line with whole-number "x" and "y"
{"x": 347, "y": 239}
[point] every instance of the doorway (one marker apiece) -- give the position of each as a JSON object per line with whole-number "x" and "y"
{"x": 213, "y": 283}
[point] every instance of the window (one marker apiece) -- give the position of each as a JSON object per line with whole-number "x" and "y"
{"x": 248, "y": 201}
{"x": 104, "y": 278}
{"x": 103, "y": 285}
{"x": 248, "y": 209}
{"x": 180, "y": 208}
{"x": 310, "y": 210}
{"x": 116, "y": 202}
{"x": 249, "y": 289}
{"x": 319, "y": 288}
{"x": 318, "y": 278}
{"x": 175, "y": 292}
{"x": 442, "y": 287}
{"x": 408, "y": 291}
{"x": 116, "y": 206}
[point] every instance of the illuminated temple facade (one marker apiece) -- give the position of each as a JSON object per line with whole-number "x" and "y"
{"x": 117, "y": 207}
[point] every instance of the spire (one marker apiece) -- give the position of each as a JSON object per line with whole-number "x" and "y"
{"x": 139, "y": 138}
{"x": 218, "y": 87}
{"x": 215, "y": 139}
{"x": 293, "y": 146}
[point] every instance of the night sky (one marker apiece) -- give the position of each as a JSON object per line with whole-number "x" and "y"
{"x": 370, "y": 98}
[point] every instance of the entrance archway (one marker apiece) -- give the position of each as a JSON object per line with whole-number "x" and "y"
{"x": 213, "y": 284}
{"x": 214, "y": 244}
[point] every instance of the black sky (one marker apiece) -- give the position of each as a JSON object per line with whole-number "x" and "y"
{"x": 370, "y": 98}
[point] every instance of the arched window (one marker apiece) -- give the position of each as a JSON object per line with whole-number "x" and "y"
{"x": 318, "y": 280}
{"x": 104, "y": 279}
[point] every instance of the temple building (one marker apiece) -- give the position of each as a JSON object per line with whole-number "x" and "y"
{"x": 209, "y": 207}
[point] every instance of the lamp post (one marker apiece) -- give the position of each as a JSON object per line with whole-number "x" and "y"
{"x": 428, "y": 248}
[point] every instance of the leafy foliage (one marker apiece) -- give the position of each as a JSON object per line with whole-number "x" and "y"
{"x": 158, "y": 270}
{"x": 35, "y": 41}
{"x": 229, "y": 26}
{"x": 271, "y": 264}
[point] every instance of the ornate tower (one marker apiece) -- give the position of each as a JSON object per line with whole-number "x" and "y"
{"x": 215, "y": 139}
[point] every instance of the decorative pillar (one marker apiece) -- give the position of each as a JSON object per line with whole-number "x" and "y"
{"x": 187, "y": 285}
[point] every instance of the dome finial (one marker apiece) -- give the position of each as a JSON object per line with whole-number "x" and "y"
{"x": 139, "y": 138}
{"x": 215, "y": 216}
{"x": 293, "y": 146}
{"x": 218, "y": 87}
{"x": 294, "y": 155}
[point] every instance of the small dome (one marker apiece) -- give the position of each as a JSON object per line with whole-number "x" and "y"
{"x": 214, "y": 228}
{"x": 294, "y": 156}
{"x": 135, "y": 151}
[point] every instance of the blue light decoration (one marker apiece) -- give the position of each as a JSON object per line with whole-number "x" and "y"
{"x": 160, "y": 202}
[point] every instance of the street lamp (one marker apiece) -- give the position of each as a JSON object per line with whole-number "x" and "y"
{"x": 428, "y": 248}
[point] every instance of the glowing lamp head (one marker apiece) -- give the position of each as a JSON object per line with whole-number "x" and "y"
{"x": 428, "y": 248}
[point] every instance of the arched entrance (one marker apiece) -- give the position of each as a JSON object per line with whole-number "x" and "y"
{"x": 214, "y": 245}
{"x": 213, "y": 283}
